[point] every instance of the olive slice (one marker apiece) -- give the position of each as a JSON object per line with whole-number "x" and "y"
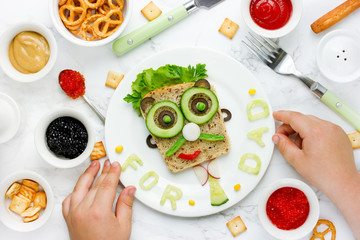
{"x": 162, "y": 118}
{"x": 145, "y": 102}
{"x": 149, "y": 142}
{"x": 202, "y": 83}
{"x": 194, "y": 105}
{"x": 228, "y": 114}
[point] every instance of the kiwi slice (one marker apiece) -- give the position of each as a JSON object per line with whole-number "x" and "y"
{"x": 165, "y": 119}
{"x": 199, "y": 104}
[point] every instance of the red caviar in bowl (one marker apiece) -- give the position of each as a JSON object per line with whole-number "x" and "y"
{"x": 287, "y": 208}
{"x": 72, "y": 82}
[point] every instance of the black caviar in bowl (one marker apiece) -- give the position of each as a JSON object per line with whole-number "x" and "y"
{"x": 67, "y": 137}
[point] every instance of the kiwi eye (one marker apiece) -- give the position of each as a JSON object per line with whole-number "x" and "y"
{"x": 164, "y": 119}
{"x": 199, "y": 104}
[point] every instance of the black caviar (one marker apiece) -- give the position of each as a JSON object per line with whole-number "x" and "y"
{"x": 67, "y": 136}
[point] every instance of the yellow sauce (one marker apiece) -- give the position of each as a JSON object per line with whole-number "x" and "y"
{"x": 29, "y": 52}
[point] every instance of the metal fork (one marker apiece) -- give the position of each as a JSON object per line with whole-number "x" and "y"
{"x": 281, "y": 62}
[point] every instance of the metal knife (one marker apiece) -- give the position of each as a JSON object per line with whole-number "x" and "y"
{"x": 137, "y": 37}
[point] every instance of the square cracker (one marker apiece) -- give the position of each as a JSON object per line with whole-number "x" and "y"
{"x": 113, "y": 79}
{"x": 236, "y": 226}
{"x": 209, "y": 149}
{"x": 13, "y": 190}
{"x": 354, "y": 139}
{"x": 27, "y": 192}
{"x": 31, "y": 184}
{"x": 229, "y": 28}
{"x": 19, "y": 204}
{"x": 98, "y": 151}
{"x": 151, "y": 11}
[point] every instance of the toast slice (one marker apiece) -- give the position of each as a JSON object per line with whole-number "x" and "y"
{"x": 209, "y": 149}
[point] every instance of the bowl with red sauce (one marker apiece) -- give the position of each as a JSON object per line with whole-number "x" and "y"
{"x": 288, "y": 209}
{"x": 271, "y": 18}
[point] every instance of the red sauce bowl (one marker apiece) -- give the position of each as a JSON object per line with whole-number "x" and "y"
{"x": 288, "y": 209}
{"x": 271, "y": 18}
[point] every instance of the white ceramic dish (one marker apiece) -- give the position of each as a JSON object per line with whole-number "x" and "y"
{"x": 47, "y": 154}
{"x": 338, "y": 55}
{"x": 304, "y": 229}
{"x": 9, "y": 118}
{"x": 60, "y": 27}
{"x": 5, "y": 41}
{"x": 13, "y": 220}
{"x": 232, "y": 82}
{"x": 291, "y": 24}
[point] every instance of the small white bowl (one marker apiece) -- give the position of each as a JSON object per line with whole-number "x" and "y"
{"x": 47, "y": 154}
{"x": 9, "y": 118}
{"x": 13, "y": 220}
{"x": 338, "y": 55}
{"x": 5, "y": 41}
{"x": 311, "y": 220}
{"x": 295, "y": 17}
{"x": 60, "y": 27}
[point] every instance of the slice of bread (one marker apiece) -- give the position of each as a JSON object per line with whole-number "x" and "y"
{"x": 209, "y": 150}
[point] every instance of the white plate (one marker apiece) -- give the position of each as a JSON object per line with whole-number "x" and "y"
{"x": 232, "y": 82}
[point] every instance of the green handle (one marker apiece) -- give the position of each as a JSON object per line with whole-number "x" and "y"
{"x": 134, "y": 39}
{"x": 342, "y": 109}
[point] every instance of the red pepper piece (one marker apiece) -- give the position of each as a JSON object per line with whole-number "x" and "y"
{"x": 189, "y": 156}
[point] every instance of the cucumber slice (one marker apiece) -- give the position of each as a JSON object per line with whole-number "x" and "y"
{"x": 217, "y": 194}
{"x": 157, "y": 119}
{"x": 192, "y": 104}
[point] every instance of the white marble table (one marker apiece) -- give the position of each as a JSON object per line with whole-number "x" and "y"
{"x": 201, "y": 29}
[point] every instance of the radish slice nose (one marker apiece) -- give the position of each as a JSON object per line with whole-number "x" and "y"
{"x": 191, "y": 132}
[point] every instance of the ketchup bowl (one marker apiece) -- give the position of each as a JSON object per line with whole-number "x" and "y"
{"x": 271, "y": 22}
{"x": 288, "y": 209}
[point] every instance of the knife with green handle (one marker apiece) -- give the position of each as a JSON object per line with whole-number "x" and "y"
{"x": 134, "y": 39}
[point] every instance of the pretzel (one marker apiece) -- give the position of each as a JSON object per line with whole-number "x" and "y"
{"x": 119, "y": 4}
{"x": 62, "y": 2}
{"x": 105, "y": 26}
{"x": 76, "y": 14}
{"x": 321, "y": 235}
{"x": 87, "y": 30}
{"x": 94, "y": 4}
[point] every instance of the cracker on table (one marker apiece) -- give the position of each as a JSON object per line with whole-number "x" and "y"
{"x": 151, "y": 11}
{"x": 229, "y": 28}
{"x": 354, "y": 139}
{"x": 113, "y": 79}
{"x": 98, "y": 151}
{"x": 236, "y": 226}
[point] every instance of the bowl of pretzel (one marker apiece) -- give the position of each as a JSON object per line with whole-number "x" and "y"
{"x": 90, "y": 23}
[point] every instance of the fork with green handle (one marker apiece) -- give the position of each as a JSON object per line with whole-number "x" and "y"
{"x": 281, "y": 62}
{"x": 134, "y": 39}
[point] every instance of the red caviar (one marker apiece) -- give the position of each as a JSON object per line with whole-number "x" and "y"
{"x": 287, "y": 208}
{"x": 72, "y": 82}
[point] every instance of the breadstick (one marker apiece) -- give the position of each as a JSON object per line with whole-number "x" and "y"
{"x": 335, "y": 15}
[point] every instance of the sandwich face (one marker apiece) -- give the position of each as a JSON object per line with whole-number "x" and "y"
{"x": 178, "y": 104}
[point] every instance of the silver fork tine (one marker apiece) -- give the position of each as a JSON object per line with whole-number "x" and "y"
{"x": 271, "y": 43}
{"x": 269, "y": 50}
{"x": 258, "y": 47}
{"x": 259, "y": 55}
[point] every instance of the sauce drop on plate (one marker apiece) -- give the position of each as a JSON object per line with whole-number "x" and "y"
{"x": 270, "y": 14}
{"x": 287, "y": 208}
